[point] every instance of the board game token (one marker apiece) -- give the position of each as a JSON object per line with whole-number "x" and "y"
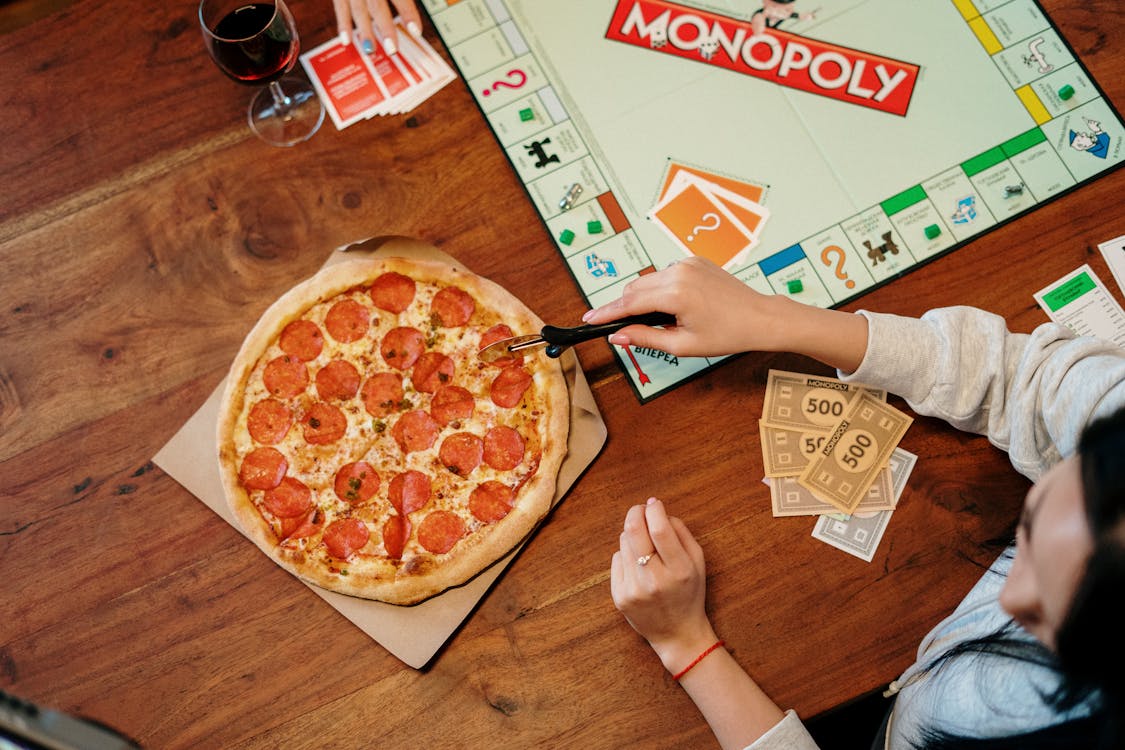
{"x": 594, "y": 227}
{"x": 571, "y": 196}
{"x": 795, "y": 286}
{"x": 527, "y": 114}
{"x": 933, "y": 230}
{"x": 566, "y": 237}
{"x": 1066, "y": 92}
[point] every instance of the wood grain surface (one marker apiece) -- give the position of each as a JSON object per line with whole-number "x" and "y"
{"x": 143, "y": 229}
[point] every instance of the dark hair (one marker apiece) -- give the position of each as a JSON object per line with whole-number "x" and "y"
{"x": 1092, "y": 666}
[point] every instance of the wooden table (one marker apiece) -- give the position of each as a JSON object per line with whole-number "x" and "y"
{"x": 143, "y": 229}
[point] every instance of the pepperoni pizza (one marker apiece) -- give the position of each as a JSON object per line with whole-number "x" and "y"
{"x": 366, "y": 449}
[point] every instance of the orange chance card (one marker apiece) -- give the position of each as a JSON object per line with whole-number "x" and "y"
{"x": 701, "y": 227}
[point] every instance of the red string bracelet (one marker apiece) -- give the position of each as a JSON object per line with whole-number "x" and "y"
{"x": 698, "y": 659}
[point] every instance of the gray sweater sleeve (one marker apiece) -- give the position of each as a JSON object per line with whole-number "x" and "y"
{"x": 1031, "y": 394}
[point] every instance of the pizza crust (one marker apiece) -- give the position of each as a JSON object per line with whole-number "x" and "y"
{"x": 424, "y": 574}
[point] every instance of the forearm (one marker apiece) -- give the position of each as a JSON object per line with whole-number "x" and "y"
{"x": 735, "y": 708}
{"x": 836, "y": 338}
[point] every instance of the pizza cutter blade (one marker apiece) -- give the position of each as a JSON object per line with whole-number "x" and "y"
{"x": 556, "y": 339}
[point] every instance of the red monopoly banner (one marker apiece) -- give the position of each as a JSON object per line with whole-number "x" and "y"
{"x": 785, "y": 59}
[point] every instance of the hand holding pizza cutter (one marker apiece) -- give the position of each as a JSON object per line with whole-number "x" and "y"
{"x": 556, "y": 339}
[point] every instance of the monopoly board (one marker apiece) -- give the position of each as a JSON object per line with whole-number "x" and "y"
{"x": 816, "y": 148}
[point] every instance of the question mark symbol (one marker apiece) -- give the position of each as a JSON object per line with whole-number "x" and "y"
{"x": 826, "y": 257}
{"x": 707, "y": 226}
{"x": 520, "y": 77}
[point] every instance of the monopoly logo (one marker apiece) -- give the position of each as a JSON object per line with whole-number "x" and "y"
{"x": 773, "y": 55}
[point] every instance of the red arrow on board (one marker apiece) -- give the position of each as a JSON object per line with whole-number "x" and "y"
{"x": 640, "y": 373}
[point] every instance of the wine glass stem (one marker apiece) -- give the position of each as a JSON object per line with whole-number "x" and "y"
{"x": 282, "y": 103}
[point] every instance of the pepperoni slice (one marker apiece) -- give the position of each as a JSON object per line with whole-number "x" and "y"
{"x": 286, "y": 376}
{"x": 356, "y": 482}
{"x": 508, "y": 387}
{"x": 409, "y": 491}
{"x": 396, "y": 530}
{"x": 337, "y": 380}
{"x": 461, "y": 453}
{"x": 269, "y": 421}
{"x": 491, "y": 501}
{"x": 382, "y": 393}
{"x": 452, "y": 307}
{"x": 415, "y": 431}
{"x": 288, "y": 499}
{"x": 392, "y": 292}
{"x": 401, "y": 347}
{"x": 301, "y": 527}
{"x": 431, "y": 371}
{"x": 499, "y": 332}
{"x": 262, "y": 469}
{"x": 347, "y": 321}
{"x": 503, "y": 448}
{"x": 450, "y": 403}
{"x": 302, "y": 339}
{"x": 324, "y": 424}
{"x": 344, "y": 537}
{"x": 440, "y": 531}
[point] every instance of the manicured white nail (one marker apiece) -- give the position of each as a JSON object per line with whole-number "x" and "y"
{"x": 345, "y": 38}
{"x": 389, "y": 46}
{"x": 413, "y": 28}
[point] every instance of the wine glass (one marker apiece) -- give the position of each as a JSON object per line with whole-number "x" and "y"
{"x": 256, "y": 42}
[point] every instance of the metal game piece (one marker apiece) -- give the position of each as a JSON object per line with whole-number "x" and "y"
{"x": 571, "y": 197}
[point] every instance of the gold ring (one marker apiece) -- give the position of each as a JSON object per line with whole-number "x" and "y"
{"x": 643, "y": 560}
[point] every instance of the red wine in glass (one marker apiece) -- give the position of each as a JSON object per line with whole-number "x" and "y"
{"x": 256, "y": 43}
{"x": 256, "y": 56}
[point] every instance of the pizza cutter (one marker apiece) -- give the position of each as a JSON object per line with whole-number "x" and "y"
{"x": 556, "y": 339}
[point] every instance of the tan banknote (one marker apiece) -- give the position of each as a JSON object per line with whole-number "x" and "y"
{"x": 791, "y": 499}
{"x": 785, "y": 453}
{"x": 808, "y": 403}
{"x": 858, "y": 448}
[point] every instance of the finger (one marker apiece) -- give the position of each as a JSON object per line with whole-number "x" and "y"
{"x": 663, "y": 339}
{"x": 343, "y": 10}
{"x": 383, "y": 25}
{"x": 665, "y": 538}
{"x": 616, "y": 579}
{"x": 362, "y": 19}
{"x": 635, "y": 536}
{"x": 408, "y": 10}
{"x": 690, "y": 545}
{"x": 639, "y": 296}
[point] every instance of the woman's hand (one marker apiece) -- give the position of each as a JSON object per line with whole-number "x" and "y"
{"x": 658, "y": 582}
{"x": 374, "y": 20}
{"x": 717, "y": 314}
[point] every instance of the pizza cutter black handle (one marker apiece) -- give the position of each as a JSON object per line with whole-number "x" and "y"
{"x": 558, "y": 338}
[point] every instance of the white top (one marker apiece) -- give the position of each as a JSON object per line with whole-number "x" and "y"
{"x": 1032, "y": 395}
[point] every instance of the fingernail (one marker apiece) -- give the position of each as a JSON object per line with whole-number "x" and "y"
{"x": 389, "y": 46}
{"x": 619, "y": 339}
{"x": 368, "y": 46}
{"x": 586, "y": 315}
{"x": 345, "y": 37}
{"x": 413, "y": 29}
{"x": 650, "y": 501}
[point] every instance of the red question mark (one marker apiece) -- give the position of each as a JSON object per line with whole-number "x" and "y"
{"x": 520, "y": 76}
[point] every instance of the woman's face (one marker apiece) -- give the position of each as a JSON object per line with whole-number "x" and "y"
{"x": 1053, "y": 543}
